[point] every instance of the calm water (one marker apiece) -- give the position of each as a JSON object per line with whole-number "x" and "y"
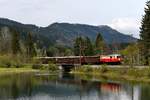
{"x": 67, "y": 87}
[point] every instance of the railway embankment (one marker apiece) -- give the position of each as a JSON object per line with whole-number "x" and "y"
{"x": 119, "y": 72}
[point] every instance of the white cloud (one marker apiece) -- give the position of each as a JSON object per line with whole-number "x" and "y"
{"x": 126, "y": 25}
{"x": 94, "y": 12}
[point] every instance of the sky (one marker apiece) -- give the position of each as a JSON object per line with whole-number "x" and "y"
{"x": 123, "y": 15}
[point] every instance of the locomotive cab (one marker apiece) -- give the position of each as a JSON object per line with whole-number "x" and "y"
{"x": 111, "y": 59}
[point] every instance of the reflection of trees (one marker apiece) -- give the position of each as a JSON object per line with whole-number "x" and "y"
{"x": 14, "y": 89}
{"x": 145, "y": 92}
{"x": 14, "y": 86}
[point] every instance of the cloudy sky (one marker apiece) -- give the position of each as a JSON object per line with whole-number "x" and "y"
{"x": 123, "y": 15}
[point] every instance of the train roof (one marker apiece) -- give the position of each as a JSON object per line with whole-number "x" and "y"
{"x": 114, "y": 55}
{"x": 66, "y": 57}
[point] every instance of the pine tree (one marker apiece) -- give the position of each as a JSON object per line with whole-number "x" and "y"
{"x": 89, "y": 47}
{"x": 99, "y": 44}
{"x": 145, "y": 34}
{"x": 77, "y": 46}
{"x": 15, "y": 42}
{"x": 30, "y": 46}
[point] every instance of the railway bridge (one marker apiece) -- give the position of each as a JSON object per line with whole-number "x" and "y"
{"x": 69, "y": 62}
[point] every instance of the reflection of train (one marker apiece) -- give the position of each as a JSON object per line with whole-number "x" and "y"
{"x": 110, "y": 87}
{"x": 72, "y": 60}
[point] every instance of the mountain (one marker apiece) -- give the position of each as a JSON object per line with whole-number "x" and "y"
{"x": 65, "y": 33}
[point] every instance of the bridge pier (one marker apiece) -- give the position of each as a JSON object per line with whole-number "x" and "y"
{"x": 67, "y": 68}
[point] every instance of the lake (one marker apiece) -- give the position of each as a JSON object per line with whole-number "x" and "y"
{"x": 68, "y": 87}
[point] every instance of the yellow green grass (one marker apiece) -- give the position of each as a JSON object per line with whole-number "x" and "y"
{"x": 125, "y": 74}
{"x": 16, "y": 70}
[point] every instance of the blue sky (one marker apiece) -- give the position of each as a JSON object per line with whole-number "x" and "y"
{"x": 123, "y": 15}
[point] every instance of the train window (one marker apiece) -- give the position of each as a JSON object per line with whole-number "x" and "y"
{"x": 118, "y": 56}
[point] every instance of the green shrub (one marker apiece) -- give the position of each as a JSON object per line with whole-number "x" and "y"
{"x": 123, "y": 71}
{"x": 5, "y": 62}
{"x": 87, "y": 69}
{"x": 9, "y": 61}
{"x": 103, "y": 69}
{"x": 148, "y": 72}
{"x": 37, "y": 66}
{"x": 135, "y": 72}
{"x": 52, "y": 67}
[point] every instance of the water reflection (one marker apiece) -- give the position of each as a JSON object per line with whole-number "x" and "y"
{"x": 67, "y": 87}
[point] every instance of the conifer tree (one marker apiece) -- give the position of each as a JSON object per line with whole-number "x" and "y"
{"x": 99, "y": 44}
{"x": 79, "y": 42}
{"x": 88, "y": 47}
{"x": 30, "y": 46}
{"x": 15, "y": 42}
{"x": 145, "y": 34}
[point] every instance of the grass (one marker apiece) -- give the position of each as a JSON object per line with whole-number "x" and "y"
{"x": 127, "y": 74}
{"x": 19, "y": 64}
{"x": 16, "y": 70}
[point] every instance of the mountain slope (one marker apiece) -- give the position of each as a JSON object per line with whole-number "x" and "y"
{"x": 65, "y": 33}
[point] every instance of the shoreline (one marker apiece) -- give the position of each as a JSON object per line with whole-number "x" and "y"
{"x": 117, "y": 74}
{"x": 109, "y": 77}
{"x": 5, "y": 71}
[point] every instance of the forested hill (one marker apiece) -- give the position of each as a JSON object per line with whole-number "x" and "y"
{"x": 65, "y": 33}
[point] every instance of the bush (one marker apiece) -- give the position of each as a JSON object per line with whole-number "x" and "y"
{"x": 87, "y": 69}
{"x": 52, "y": 67}
{"x": 9, "y": 61}
{"x": 148, "y": 72}
{"x": 123, "y": 71}
{"x": 5, "y": 62}
{"x": 135, "y": 72}
{"x": 37, "y": 66}
{"x": 103, "y": 69}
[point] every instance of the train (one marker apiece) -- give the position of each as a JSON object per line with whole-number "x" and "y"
{"x": 113, "y": 59}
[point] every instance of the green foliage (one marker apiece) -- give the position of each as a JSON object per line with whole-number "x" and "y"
{"x": 87, "y": 69}
{"x": 59, "y": 50}
{"x": 52, "y": 51}
{"x": 103, "y": 69}
{"x": 148, "y": 72}
{"x": 37, "y": 66}
{"x": 98, "y": 40}
{"x": 30, "y": 47}
{"x": 123, "y": 71}
{"x": 15, "y": 42}
{"x": 83, "y": 46}
{"x": 78, "y": 46}
{"x": 99, "y": 44}
{"x": 84, "y": 69}
{"x": 134, "y": 72}
{"x": 145, "y": 35}
{"x": 50, "y": 67}
{"x": 89, "y": 50}
{"x": 11, "y": 62}
{"x": 53, "y": 67}
{"x": 131, "y": 55}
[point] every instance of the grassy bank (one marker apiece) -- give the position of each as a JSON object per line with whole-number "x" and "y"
{"x": 19, "y": 64}
{"x": 16, "y": 70}
{"x": 125, "y": 74}
{"x": 51, "y": 68}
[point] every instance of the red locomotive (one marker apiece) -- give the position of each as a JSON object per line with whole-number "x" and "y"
{"x": 111, "y": 59}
